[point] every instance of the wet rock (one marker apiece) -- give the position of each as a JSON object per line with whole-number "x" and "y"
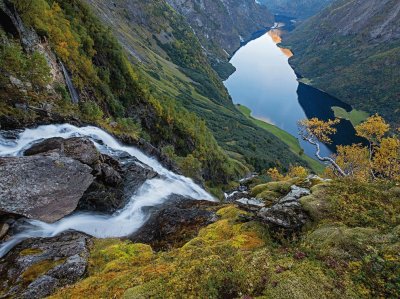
{"x": 151, "y": 151}
{"x": 4, "y": 227}
{"x": 9, "y": 123}
{"x": 119, "y": 178}
{"x": 175, "y": 222}
{"x": 236, "y": 195}
{"x": 287, "y": 213}
{"x": 46, "y": 188}
{"x": 81, "y": 149}
{"x": 38, "y": 267}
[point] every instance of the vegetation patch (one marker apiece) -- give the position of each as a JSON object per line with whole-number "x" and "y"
{"x": 287, "y": 138}
{"x": 354, "y": 116}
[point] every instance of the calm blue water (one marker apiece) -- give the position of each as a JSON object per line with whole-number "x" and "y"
{"x": 265, "y": 82}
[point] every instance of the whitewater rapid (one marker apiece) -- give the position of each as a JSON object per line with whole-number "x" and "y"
{"x": 123, "y": 222}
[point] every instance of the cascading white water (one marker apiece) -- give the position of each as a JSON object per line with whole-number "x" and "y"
{"x": 72, "y": 91}
{"x": 122, "y": 223}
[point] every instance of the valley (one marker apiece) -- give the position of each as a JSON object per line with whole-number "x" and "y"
{"x": 221, "y": 149}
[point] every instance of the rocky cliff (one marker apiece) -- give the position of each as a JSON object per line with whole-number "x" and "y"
{"x": 223, "y": 25}
{"x": 296, "y": 8}
{"x": 354, "y": 54}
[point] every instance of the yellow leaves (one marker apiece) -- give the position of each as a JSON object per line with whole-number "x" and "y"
{"x": 297, "y": 172}
{"x": 354, "y": 160}
{"x": 316, "y": 128}
{"x": 386, "y": 161}
{"x": 294, "y": 172}
{"x": 373, "y": 129}
{"x": 274, "y": 174}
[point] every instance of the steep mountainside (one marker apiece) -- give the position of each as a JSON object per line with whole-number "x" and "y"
{"x": 354, "y": 55}
{"x": 177, "y": 67}
{"x": 296, "y": 8}
{"x": 222, "y": 25}
{"x": 158, "y": 86}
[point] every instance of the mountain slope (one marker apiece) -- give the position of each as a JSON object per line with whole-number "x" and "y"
{"x": 177, "y": 67}
{"x": 222, "y": 25}
{"x": 140, "y": 71}
{"x": 354, "y": 55}
{"x": 296, "y": 8}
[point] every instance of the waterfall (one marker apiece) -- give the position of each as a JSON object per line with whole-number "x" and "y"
{"x": 122, "y": 223}
{"x": 72, "y": 91}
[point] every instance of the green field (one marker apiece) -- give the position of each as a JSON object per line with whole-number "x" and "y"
{"x": 287, "y": 138}
{"x": 354, "y": 116}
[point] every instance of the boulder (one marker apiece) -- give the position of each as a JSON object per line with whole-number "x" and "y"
{"x": 250, "y": 203}
{"x": 38, "y": 267}
{"x": 287, "y": 213}
{"x": 81, "y": 149}
{"x": 175, "y": 222}
{"x": 118, "y": 179}
{"x": 46, "y": 188}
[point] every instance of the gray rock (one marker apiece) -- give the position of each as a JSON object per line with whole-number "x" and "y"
{"x": 117, "y": 179}
{"x": 81, "y": 149}
{"x": 46, "y": 188}
{"x": 175, "y": 222}
{"x": 16, "y": 82}
{"x": 4, "y": 227}
{"x": 38, "y": 267}
{"x": 236, "y": 195}
{"x": 252, "y": 202}
{"x": 287, "y": 213}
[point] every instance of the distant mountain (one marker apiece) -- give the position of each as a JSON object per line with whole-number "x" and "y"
{"x": 221, "y": 25}
{"x": 354, "y": 55}
{"x": 295, "y": 8}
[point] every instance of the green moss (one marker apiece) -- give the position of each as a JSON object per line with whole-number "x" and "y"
{"x": 287, "y": 138}
{"x": 30, "y": 251}
{"x": 234, "y": 257}
{"x": 305, "y": 280}
{"x": 38, "y": 269}
{"x": 268, "y": 196}
{"x": 214, "y": 262}
{"x": 340, "y": 241}
{"x": 281, "y": 187}
{"x": 316, "y": 204}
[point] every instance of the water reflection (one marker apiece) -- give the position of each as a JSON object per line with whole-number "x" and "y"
{"x": 316, "y": 103}
{"x": 265, "y": 82}
{"x": 276, "y": 35}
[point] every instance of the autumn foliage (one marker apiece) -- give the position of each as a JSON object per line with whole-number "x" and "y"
{"x": 379, "y": 160}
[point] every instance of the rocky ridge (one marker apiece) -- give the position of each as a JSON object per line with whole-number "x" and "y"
{"x": 223, "y": 25}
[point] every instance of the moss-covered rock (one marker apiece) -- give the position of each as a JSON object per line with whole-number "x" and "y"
{"x": 304, "y": 280}
{"x": 316, "y": 204}
{"x": 340, "y": 241}
{"x": 337, "y": 256}
{"x": 280, "y": 187}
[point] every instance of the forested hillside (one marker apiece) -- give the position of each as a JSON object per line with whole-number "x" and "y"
{"x": 177, "y": 67}
{"x": 354, "y": 55}
{"x": 158, "y": 86}
{"x": 222, "y": 26}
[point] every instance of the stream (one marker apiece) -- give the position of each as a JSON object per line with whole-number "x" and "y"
{"x": 122, "y": 223}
